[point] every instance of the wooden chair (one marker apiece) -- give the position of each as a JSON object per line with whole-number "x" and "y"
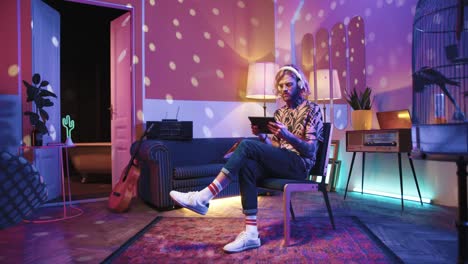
{"x": 289, "y": 186}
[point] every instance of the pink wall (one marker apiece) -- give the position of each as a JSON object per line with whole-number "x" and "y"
{"x": 9, "y": 65}
{"x": 200, "y": 50}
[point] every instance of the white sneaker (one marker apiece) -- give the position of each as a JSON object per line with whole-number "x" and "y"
{"x": 190, "y": 200}
{"x": 243, "y": 242}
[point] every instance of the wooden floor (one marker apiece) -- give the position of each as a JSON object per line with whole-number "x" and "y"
{"x": 95, "y": 186}
{"x": 419, "y": 234}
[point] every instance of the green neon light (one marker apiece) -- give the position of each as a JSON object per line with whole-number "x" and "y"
{"x": 68, "y": 124}
{"x": 392, "y": 195}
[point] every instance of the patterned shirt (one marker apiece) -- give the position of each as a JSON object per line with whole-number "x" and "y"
{"x": 304, "y": 121}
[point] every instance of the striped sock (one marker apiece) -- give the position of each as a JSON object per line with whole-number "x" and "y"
{"x": 215, "y": 187}
{"x": 211, "y": 191}
{"x": 251, "y": 224}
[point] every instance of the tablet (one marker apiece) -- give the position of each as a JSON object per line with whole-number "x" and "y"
{"x": 262, "y": 123}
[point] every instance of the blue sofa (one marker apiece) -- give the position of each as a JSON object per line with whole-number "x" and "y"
{"x": 180, "y": 165}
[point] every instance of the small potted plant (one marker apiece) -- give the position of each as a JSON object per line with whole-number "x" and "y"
{"x": 361, "y": 102}
{"x": 38, "y": 94}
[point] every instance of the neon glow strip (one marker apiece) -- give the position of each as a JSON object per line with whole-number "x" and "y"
{"x": 392, "y": 195}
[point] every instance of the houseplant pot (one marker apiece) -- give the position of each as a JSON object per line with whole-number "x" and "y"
{"x": 361, "y": 102}
{"x": 361, "y": 119}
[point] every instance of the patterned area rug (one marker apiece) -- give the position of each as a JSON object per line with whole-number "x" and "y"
{"x": 200, "y": 240}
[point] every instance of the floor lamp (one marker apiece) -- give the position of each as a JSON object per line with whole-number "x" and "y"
{"x": 261, "y": 82}
{"x": 323, "y": 87}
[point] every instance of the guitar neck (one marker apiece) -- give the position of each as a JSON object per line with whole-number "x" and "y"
{"x": 137, "y": 149}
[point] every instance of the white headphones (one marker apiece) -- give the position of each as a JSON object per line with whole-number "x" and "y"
{"x": 300, "y": 83}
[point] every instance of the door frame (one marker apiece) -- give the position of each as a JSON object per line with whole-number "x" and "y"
{"x": 132, "y": 14}
{"x": 25, "y": 55}
{"x": 131, "y": 10}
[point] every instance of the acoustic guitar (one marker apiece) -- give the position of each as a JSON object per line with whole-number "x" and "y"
{"x": 122, "y": 194}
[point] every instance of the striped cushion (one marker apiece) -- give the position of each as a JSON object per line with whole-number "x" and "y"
{"x": 201, "y": 181}
{"x": 198, "y": 171}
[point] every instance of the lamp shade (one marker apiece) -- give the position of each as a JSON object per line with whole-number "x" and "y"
{"x": 261, "y": 80}
{"x": 323, "y": 84}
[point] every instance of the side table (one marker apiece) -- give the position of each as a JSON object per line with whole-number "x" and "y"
{"x": 380, "y": 141}
{"x": 68, "y": 210}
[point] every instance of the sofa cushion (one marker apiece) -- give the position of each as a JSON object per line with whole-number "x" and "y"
{"x": 195, "y": 182}
{"x": 181, "y": 153}
{"x": 198, "y": 171}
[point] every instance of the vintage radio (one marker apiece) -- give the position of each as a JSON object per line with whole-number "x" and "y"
{"x": 380, "y": 140}
{"x": 170, "y": 129}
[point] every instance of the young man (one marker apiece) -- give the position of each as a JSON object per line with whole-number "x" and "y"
{"x": 289, "y": 153}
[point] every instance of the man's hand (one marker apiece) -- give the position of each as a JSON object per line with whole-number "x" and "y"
{"x": 262, "y": 136}
{"x": 278, "y": 129}
{"x": 255, "y": 130}
{"x": 307, "y": 149}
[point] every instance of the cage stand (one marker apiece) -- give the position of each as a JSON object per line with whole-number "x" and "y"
{"x": 462, "y": 223}
{"x": 462, "y": 214}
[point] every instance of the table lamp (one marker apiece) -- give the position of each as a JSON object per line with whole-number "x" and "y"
{"x": 261, "y": 82}
{"x": 323, "y": 87}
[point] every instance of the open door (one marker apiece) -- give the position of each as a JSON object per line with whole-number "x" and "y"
{"x": 46, "y": 62}
{"x": 121, "y": 93}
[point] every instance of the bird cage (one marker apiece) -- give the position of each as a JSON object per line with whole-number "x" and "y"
{"x": 440, "y": 77}
{"x": 440, "y": 72}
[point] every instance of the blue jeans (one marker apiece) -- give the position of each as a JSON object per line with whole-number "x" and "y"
{"x": 254, "y": 160}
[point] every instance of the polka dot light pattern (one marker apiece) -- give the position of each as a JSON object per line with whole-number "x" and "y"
{"x": 393, "y": 38}
{"x": 357, "y": 60}
{"x": 206, "y": 44}
{"x": 338, "y": 48}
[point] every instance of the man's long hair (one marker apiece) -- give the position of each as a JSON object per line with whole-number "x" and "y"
{"x": 305, "y": 91}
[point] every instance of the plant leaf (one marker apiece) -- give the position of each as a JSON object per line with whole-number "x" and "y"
{"x": 41, "y": 128}
{"x": 36, "y": 78}
{"x": 44, "y": 114}
{"x": 47, "y": 102}
{"x": 45, "y": 92}
{"x": 38, "y": 95}
{"x": 33, "y": 117}
{"x": 367, "y": 96}
{"x": 31, "y": 91}
{"x": 39, "y": 101}
{"x": 359, "y": 100}
{"x": 44, "y": 84}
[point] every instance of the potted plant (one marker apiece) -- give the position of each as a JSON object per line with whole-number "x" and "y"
{"x": 361, "y": 102}
{"x": 38, "y": 94}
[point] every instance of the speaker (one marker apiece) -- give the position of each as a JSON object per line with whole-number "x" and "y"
{"x": 170, "y": 130}
{"x": 354, "y": 139}
{"x": 379, "y": 140}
